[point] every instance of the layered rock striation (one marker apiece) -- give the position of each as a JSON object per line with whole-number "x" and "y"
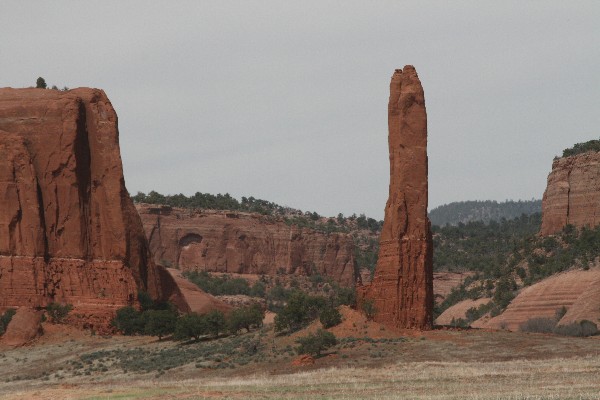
{"x": 236, "y": 242}
{"x": 69, "y": 231}
{"x": 576, "y": 290}
{"x": 402, "y": 288}
{"x": 572, "y": 195}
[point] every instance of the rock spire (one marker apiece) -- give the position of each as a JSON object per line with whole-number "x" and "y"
{"x": 402, "y": 288}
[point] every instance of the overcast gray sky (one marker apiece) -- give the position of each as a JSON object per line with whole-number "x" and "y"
{"x": 287, "y": 101}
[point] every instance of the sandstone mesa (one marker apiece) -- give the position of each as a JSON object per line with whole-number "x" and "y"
{"x": 69, "y": 232}
{"x": 572, "y": 194}
{"x": 244, "y": 243}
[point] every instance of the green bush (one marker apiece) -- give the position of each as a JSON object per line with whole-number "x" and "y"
{"x": 592, "y": 145}
{"x": 559, "y": 313}
{"x": 159, "y": 322}
{"x": 314, "y": 344}
{"x": 582, "y": 329}
{"x": 146, "y": 302}
{"x": 346, "y": 296}
{"x": 129, "y": 321}
{"x": 219, "y": 285}
{"x": 259, "y": 289}
{"x": 459, "y": 323}
{"x": 245, "y": 318}
{"x": 368, "y": 307}
{"x": 299, "y": 311}
{"x": 58, "y": 312}
{"x": 40, "y": 83}
{"x": 330, "y": 316}
{"x": 216, "y": 322}
{"x": 190, "y": 326}
{"x": 538, "y": 325}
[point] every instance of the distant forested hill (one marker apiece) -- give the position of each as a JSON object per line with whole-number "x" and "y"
{"x": 486, "y": 211}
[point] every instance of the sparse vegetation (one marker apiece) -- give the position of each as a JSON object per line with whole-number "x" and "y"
{"x": 245, "y": 318}
{"x": 40, "y": 83}
{"x": 315, "y": 343}
{"x": 159, "y": 322}
{"x": 482, "y": 211}
{"x": 582, "y": 328}
{"x": 58, "y": 312}
{"x": 190, "y": 326}
{"x": 129, "y": 321}
{"x": 480, "y": 247}
{"x": 591, "y": 145}
{"x": 215, "y": 202}
{"x": 222, "y": 285}
{"x": 507, "y": 256}
{"x": 368, "y": 307}
{"x": 299, "y": 311}
{"x": 538, "y": 325}
{"x": 330, "y": 316}
{"x": 216, "y": 322}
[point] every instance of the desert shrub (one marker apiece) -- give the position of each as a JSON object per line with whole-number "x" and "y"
{"x": 346, "y": 296}
{"x": 159, "y": 322}
{"x": 245, "y": 318}
{"x": 459, "y": 323}
{"x": 58, "y": 312}
{"x": 216, "y": 322}
{"x": 583, "y": 328}
{"x": 190, "y": 326}
{"x": 368, "y": 307}
{"x": 300, "y": 310}
{"x": 129, "y": 321}
{"x": 504, "y": 293}
{"x": 315, "y": 343}
{"x": 146, "y": 302}
{"x": 218, "y": 285}
{"x": 592, "y": 145}
{"x": 559, "y": 313}
{"x": 278, "y": 295}
{"x": 40, "y": 83}
{"x": 330, "y": 316}
{"x": 538, "y": 325}
{"x": 5, "y": 319}
{"x": 259, "y": 289}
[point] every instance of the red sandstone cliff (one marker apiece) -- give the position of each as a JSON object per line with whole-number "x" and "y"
{"x": 68, "y": 230}
{"x": 235, "y": 242}
{"x": 402, "y": 288}
{"x": 572, "y": 195}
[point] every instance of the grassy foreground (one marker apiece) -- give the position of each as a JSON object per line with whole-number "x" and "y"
{"x": 573, "y": 378}
{"x": 369, "y": 362}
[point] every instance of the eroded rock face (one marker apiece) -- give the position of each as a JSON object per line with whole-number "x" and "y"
{"x": 190, "y": 298}
{"x": 235, "y": 242}
{"x": 572, "y": 195}
{"x": 25, "y": 326}
{"x": 402, "y": 288}
{"x": 69, "y": 232}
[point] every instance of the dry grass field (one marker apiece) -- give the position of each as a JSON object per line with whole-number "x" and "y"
{"x": 574, "y": 378}
{"x": 433, "y": 365}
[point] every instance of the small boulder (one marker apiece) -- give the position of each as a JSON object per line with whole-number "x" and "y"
{"x": 303, "y": 360}
{"x": 24, "y": 326}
